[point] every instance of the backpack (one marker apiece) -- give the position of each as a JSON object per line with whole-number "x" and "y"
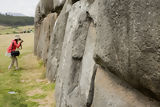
{"x": 15, "y": 53}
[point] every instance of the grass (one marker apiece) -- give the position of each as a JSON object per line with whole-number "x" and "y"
{"x": 48, "y": 87}
{"x": 8, "y": 99}
{"x": 30, "y": 87}
{"x": 14, "y": 30}
{"x": 41, "y": 63}
{"x": 38, "y": 96}
{"x": 11, "y": 82}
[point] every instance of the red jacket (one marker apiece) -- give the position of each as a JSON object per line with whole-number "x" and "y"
{"x": 13, "y": 46}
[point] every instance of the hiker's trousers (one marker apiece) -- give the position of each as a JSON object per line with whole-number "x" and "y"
{"x": 13, "y": 61}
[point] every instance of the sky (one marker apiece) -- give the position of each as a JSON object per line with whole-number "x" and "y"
{"x": 26, "y": 7}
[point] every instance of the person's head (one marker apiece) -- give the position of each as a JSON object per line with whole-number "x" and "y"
{"x": 17, "y": 38}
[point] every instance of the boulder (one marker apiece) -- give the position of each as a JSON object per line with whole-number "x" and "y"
{"x": 56, "y": 42}
{"x": 74, "y": 83}
{"x": 110, "y": 91}
{"x": 58, "y": 3}
{"x": 37, "y": 27}
{"x": 36, "y": 37}
{"x": 37, "y": 14}
{"x": 46, "y": 29}
{"x": 89, "y": 67}
{"x": 100, "y": 53}
{"x": 50, "y": 22}
{"x": 46, "y": 6}
{"x": 128, "y": 42}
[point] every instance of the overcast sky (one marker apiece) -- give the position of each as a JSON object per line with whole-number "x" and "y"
{"x": 26, "y": 7}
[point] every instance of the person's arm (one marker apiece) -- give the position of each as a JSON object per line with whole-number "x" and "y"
{"x": 17, "y": 45}
{"x": 21, "y": 44}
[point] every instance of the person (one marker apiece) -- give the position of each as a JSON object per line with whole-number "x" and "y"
{"x": 16, "y": 43}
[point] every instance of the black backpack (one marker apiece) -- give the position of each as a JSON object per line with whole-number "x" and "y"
{"x": 15, "y": 53}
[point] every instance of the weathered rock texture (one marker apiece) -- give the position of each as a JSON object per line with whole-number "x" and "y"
{"x": 57, "y": 42}
{"x": 46, "y": 6}
{"x": 45, "y": 30}
{"x": 113, "y": 92}
{"x": 101, "y": 53}
{"x": 58, "y": 3}
{"x": 130, "y": 44}
{"x": 71, "y": 62}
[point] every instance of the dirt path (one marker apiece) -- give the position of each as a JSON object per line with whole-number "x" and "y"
{"x": 34, "y": 76}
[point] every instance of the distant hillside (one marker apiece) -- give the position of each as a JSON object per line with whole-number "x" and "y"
{"x": 16, "y": 20}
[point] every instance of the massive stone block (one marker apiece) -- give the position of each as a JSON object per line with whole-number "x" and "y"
{"x": 45, "y": 32}
{"x": 74, "y": 84}
{"x": 89, "y": 67}
{"x": 121, "y": 37}
{"x": 58, "y": 3}
{"x": 37, "y": 14}
{"x": 36, "y": 37}
{"x": 51, "y": 19}
{"x": 56, "y": 42}
{"x": 46, "y": 6}
{"x": 128, "y": 42}
{"x": 37, "y": 27}
{"x": 110, "y": 91}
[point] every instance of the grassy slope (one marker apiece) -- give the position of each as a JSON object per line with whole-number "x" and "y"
{"x": 32, "y": 90}
{"x": 14, "y": 30}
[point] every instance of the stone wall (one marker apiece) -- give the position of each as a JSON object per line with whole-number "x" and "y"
{"x": 100, "y": 53}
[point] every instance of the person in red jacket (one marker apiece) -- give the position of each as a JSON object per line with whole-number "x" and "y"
{"x": 16, "y": 43}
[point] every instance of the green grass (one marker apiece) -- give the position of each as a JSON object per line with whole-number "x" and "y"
{"x": 14, "y": 30}
{"x": 41, "y": 63}
{"x": 38, "y": 96}
{"x": 11, "y": 81}
{"x": 48, "y": 87}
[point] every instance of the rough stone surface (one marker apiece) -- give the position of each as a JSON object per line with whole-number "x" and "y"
{"x": 45, "y": 31}
{"x": 50, "y": 22}
{"x": 58, "y": 3}
{"x": 120, "y": 37}
{"x": 36, "y": 37}
{"x": 57, "y": 42}
{"x": 79, "y": 39}
{"x": 112, "y": 92}
{"x": 46, "y": 6}
{"x": 37, "y": 14}
{"x": 37, "y": 27}
{"x": 88, "y": 68}
{"x": 73, "y": 89}
{"x": 128, "y": 42}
